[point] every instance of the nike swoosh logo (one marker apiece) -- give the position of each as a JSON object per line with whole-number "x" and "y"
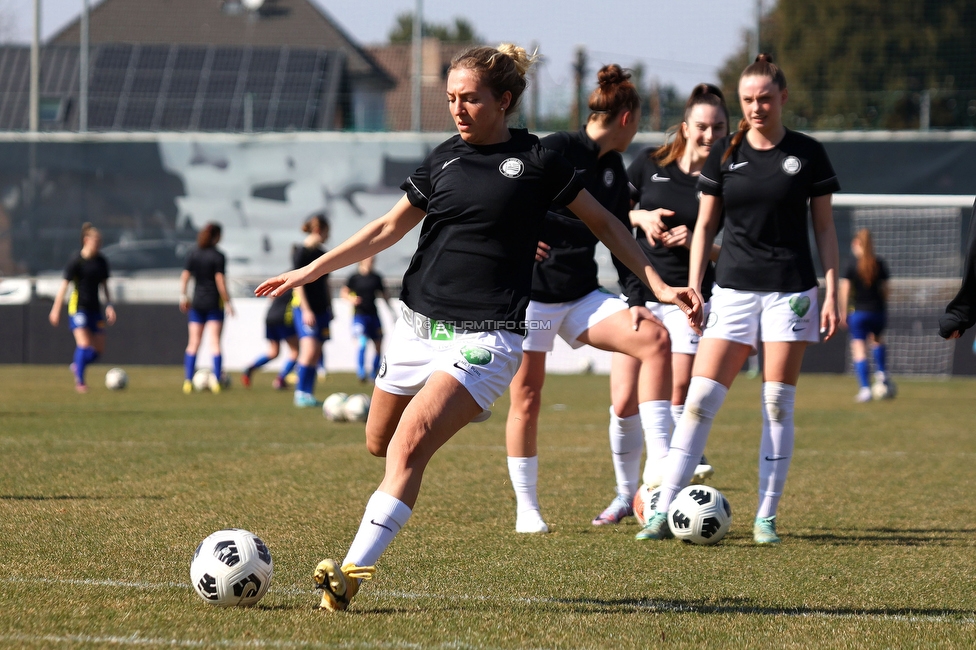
{"x": 735, "y": 166}
{"x": 772, "y": 458}
{"x": 373, "y": 521}
{"x": 656, "y": 178}
{"x": 798, "y": 329}
{"x": 449, "y": 162}
{"x": 457, "y": 364}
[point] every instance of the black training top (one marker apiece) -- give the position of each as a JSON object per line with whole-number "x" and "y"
{"x": 368, "y": 287}
{"x": 316, "y": 291}
{"x": 670, "y": 188}
{"x": 765, "y": 193}
{"x": 867, "y": 297}
{"x": 87, "y": 275}
{"x": 279, "y": 313}
{"x": 485, "y": 206}
{"x": 570, "y": 271}
{"x": 204, "y": 264}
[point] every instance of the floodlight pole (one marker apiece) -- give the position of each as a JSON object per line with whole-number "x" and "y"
{"x": 755, "y": 44}
{"x": 83, "y": 71}
{"x": 35, "y": 65}
{"x": 418, "y": 62}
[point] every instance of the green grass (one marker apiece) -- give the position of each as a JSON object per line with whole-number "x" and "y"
{"x": 104, "y": 497}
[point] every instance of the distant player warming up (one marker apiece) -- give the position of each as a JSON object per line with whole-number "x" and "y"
{"x": 362, "y": 290}
{"x": 278, "y": 326}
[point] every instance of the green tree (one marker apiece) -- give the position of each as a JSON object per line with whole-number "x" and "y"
{"x": 461, "y": 31}
{"x": 870, "y": 63}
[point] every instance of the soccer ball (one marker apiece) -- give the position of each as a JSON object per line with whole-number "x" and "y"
{"x": 203, "y": 379}
{"x": 116, "y": 379}
{"x": 333, "y": 408}
{"x": 700, "y": 514}
{"x": 883, "y": 390}
{"x": 230, "y": 568}
{"x": 645, "y": 503}
{"x": 356, "y": 407}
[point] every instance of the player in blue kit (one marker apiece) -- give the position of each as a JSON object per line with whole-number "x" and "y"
{"x": 765, "y": 178}
{"x": 866, "y": 285}
{"x": 362, "y": 290}
{"x": 312, "y": 310}
{"x": 88, "y": 271}
{"x": 278, "y": 326}
{"x": 482, "y": 197}
{"x": 205, "y": 311}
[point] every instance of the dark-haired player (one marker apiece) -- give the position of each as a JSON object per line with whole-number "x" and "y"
{"x": 482, "y": 197}
{"x": 361, "y": 290}
{"x": 960, "y": 313}
{"x": 766, "y": 178}
{"x": 312, "y": 311}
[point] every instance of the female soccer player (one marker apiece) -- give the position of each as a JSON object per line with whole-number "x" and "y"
{"x": 361, "y": 291}
{"x": 482, "y": 196}
{"x": 88, "y": 270}
{"x": 205, "y": 264}
{"x": 867, "y": 275}
{"x": 278, "y": 326}
{"x": 765, "y": 177}
{"x": 960, "y": 313}
{"x": 666, "y": 179}
{"x": 567, "y": 300}
{"x": 312, "y": 310}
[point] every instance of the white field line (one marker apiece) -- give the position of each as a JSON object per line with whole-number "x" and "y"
{"x": 649, "y": 606}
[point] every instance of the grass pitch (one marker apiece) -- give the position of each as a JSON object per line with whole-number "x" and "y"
{"x": 104, "y": 497}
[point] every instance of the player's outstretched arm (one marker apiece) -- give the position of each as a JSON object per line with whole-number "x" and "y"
{"x": 55, "y": 316}
{"x": 824, "y": 232}
{"x": 372, "y": 238}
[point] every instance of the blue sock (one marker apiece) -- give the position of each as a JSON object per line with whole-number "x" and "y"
{"x": 289, "y": 366}
{"x": 257, "y": 364}
{"x": 306, "y": 375}
{"x": 861, "y": 370}
{"x": 879, "y": 358}
{"x": 361, "y": 362}
{"x": 79, "y": 362}
{"x": 218, "y": 362}
{"x": 189, "y": 364}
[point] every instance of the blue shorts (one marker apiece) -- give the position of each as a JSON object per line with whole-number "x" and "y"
{"x": 367, "y": 325}
{"x": 278, "y": 332}
{"x": 93, "y": 321}
{"x": 321, "y": 329}
{"x": 196, "y": 316}
{"x": 862, "y": 323}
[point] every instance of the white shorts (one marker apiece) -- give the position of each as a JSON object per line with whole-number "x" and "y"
{"x": 684, "y": 340}
{"x": 568, "y": 319}
{"x": 483, "y": 362}
{"x": 740, "y": 316}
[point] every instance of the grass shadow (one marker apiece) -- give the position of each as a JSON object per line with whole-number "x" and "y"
{"x": 74, "y": 497}
{"x": 888, "y": 536}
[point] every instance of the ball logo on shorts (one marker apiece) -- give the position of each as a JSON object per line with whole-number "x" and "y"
{"x": 512, "y": 167}
{"x": 476, "y": 355}
{"x": 791, "y": 165}
{"x": 800, "y": 305}
{"x": 608, "y": 177}
{"x": 382, "y": 372}
{"x": 711, "y": 320}
{"x": 79, "y": 319}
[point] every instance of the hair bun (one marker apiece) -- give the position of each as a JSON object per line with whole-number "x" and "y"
{"x": 762, "y": 56}
{"x": 612, "y": 74}
{"x": 522, "y": 59}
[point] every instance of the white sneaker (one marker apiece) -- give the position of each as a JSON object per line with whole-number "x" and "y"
{"x": 703, "y": 472}
{"x": 530, "y": 522}
{"x": 863, "y": 395}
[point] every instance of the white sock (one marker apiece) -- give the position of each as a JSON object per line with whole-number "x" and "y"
{"x": 384, "y": 517}
{"x": 776, "y": 448}
{"x": 676, "y": 411}
{"x": 705, "y": 397}
{"x": 656, "y": 421}
{"x": 524, "y": 473}
{"x": 626, "y": 447}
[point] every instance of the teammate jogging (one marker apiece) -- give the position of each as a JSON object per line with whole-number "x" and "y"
{"x": 278, "y": 326}
{"x": 482, "y": 197}
{"x": 361, "y": 291}
{"x": 765, "y": 177}
{"x": 312, "y": 311}
{"x": 88, "y": 271}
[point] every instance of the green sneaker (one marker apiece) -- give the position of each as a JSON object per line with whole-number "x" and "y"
{"x": 764, "y": 531}
{"x": 656, "y": 528}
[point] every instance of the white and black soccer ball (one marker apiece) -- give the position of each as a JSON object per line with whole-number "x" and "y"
{"x": 203, "y": 380}
{"x": 356, "y": 407}
{"x": 700, "y": 514}
{"x": 333, "y": 408}
{"x": 645, "y": 503}
{"x": 116, "y": 379}
{"x": 231, "y": 568}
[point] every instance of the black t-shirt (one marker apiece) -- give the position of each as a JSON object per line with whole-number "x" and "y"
{"x": 867, "y": 297}
{"x": 204, "y": 264}
{"x": 765, "y": 193}
{"x": 367, "y": 287}
{"x": 279, "y": 313}
{"x": 316, "y": 291}
{"x": 571, "y": 271}
{"x": 87, "y": 275}
{"x": 670, "y": 188}
{"x": 485, "y": 206}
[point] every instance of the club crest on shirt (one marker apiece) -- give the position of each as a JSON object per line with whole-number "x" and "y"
{"x": 791, "y": 165}
{"x": 512, "y": 167}
{"x": 608, "y": 177}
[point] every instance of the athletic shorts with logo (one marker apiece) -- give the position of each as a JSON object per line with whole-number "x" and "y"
{"x": 740, "y": 316}
{"x": 483, "y": 362}
{"x": 567, "y": 319}
{"x": 684, "y": 340}
{"x": 321, "y": 329}
{"x": 368, "y": 326}
{"x": 92, "y": 321}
